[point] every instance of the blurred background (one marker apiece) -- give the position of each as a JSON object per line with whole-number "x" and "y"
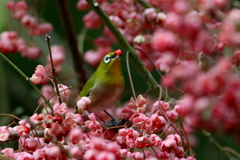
{"x": 17, "y": 97}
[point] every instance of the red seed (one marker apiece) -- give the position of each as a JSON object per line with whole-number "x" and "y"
{"x": 118, "y": 52}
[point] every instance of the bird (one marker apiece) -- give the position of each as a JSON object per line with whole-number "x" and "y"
{"x": 106, "y": 84}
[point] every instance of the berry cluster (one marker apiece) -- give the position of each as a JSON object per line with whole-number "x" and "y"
{"x": 20, "y": 12}
{"x": 42, "y": 73}
{"x": 61, "y": 134}
{"x": 9, "y": 40}
{"x": 196, "y": 47}
{"x": 11, "y": 43}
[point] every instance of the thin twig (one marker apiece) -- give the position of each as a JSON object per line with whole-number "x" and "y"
{"x": 145, "y": 4}
{"x": 72, "y": 41}
{"x": 211, "y": 139}
{"x": 231, "y": 150}
{"x": 10, "y": 115}
{"x": 47, "y": 38}
{"x": 130, "y": 77}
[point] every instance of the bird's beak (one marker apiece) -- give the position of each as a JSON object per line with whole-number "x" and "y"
{"x": 115, "y": 56}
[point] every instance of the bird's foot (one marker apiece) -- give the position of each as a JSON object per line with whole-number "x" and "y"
{"x": 113, "y": 120}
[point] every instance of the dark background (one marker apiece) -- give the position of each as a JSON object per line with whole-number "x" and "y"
{"x": 17, "y": 97}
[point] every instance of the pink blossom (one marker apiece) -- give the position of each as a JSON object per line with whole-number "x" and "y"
{"x": 38, "y": 75}
{"x": 91, "y": 20}
{"x": 94, "y": 125}
{"x": 76, "y": 152}
{"x": 163, "y": 155}
{"x": 35, "y": 79}
{"x": 83, "y": 103}
{"x": 127, "y": 136}
{"x": 21, "y": 45}
{"x": 11, "y": 43}
{"x": 23, "y": 155}
{"x": 58, "y": 55}
{"x": 102, "y": 41}
{"x": 24, "y": 128}
{"x": 29, "y": 21}
{"x": 75, "y": 135}
{"x": 204, "y": 42}
{"x": 179, "y": 152}
{"x": 138, "y": 156}
{"x": 175, "y": 137}
{"x": 125, "y": 153}
{"x": 39, "y": 71}
{"x": 45, "y": 28}
{"x": 142, "y": 122}
{"x": 90, "y": 154}
{"x": 150, "y": 14}
{"x": 117, "y": 21}
{"x": 94, "y": 57}
{"x": 7, "y": 153}
{"x": 165, "y": 41}
{"x": 158, "y": 122}
{"x": 161, "y": 17}
{"x": 106, "y": 156}
{"x": 39, "y": 154}
{"x": 164, "y": 105}
{"x": 156, "y": 141}
{"x": 82, "y": 5}
{"x": 142, "y": 142}
{"x": 168, "y": 145}
{"x": 220, "y": 3}
{"x": 31, "y": 52}
{"x": 21, "y": 5}
{"x": 60, "y": 109}
{"x": 64, "y": 90}
{"x": 54, "y": 130}
{"x": 181, "y": 6}
{"x": 30, "y": 144}
{"x": 165, "y": 62}
{"x": 191, "y": 24}
{"x": 138, "y": 106}
{"x": 20, "y": 9}
{"x": 52, "y": 151}
{"x": 172, "y": 115}
{"x": 76, "y": 117}
{"x": 7, "y": 47}
{"x": 47, "y": 91}
{"x": 10, "y": 5}
{"x": 126, "y": 113}
{"x": 4, "y": 134}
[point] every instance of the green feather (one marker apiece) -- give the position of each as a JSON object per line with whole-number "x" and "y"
{"x": 107, "y": 82}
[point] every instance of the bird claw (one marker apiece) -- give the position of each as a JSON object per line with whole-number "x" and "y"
{"x": 114, "y": 122}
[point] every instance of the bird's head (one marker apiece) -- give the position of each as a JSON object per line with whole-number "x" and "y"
{"x": 111, "y": 62}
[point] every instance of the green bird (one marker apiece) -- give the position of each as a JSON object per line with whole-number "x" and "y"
{"x": 106, "y": 84}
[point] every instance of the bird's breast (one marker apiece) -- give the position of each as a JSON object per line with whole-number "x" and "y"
{"x": 104, "y": 96}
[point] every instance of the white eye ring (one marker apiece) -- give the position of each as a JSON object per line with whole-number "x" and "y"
{"x": 107, "y": 59}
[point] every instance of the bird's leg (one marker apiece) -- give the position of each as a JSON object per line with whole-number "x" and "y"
{"x": 87, "y": 113}
{"x": 113, "y": 119}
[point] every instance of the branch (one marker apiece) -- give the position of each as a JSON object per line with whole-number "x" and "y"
{"x": 211, "y": 139}
{"x": 47, "y": 38}
{"x": 142, "y": 70}
{"x": 145, "y": 4}
{"x": 25, "y": 77}
{"x": 72, "y": 41}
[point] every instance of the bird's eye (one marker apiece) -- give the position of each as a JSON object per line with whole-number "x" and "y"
{"x": 107, "y": 59}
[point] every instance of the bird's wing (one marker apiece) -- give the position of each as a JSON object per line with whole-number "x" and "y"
{"x": 88, "y": 87}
